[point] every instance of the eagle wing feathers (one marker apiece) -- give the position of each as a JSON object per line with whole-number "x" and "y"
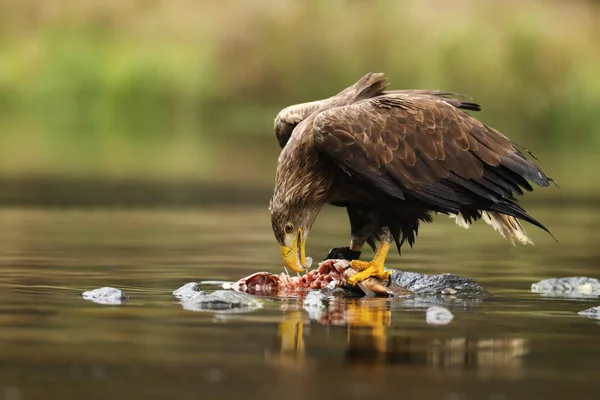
{"x": 421, "y": 144}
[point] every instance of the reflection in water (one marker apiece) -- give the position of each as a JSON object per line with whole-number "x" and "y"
{"x": 289, "y": 348}
{"x": 462, "y": 353}
{"x": 372, "y": 341}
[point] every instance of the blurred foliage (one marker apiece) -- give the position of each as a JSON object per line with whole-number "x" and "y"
{"x": 189, "y": 89}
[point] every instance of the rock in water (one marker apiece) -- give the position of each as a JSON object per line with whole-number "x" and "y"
{"x": 315, "y": 300}
{"x": 438, "y": 316}
{"x": 571, "y": 287}
{"x": 315, "y": 304}
{"x": 106, "y": 295}
{"x": 189, "y": 290}
{"x": 435, "y": 285}
{"x": 221, "y": 301}
{"x": 593, "y": 312}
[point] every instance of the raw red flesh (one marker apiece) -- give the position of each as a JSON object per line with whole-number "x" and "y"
{"x": 265, "y": 283}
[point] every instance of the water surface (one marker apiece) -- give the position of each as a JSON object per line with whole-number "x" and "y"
{"x": 55, "y": 345}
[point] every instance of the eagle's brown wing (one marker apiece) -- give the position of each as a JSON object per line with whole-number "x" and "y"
{"x": 291, "y": 116}
{"x": 370, "y": 85}
{"x": 424, "y": 147}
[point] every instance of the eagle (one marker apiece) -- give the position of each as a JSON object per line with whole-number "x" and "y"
{"x": 393, "y": 159}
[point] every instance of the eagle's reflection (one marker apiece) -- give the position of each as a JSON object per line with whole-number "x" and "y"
{"x": 371, "y": 340}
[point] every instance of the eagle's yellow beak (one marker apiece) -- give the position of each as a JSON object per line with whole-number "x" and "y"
{"x": 294, "y": 257}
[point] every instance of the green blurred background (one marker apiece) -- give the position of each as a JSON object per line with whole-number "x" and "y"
{"x": 184, "y": 92}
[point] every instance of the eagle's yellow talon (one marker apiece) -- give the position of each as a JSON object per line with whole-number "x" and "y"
{"x": 358, "y": 265}
{"x": 372, "y": 269}
{"x": 375, "y": 266}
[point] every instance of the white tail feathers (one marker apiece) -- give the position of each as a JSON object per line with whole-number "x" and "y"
{"x": 508, "y": 227}
{"x": 460, "y": 220}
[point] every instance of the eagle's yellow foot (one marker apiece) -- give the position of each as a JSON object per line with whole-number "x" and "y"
{"x": 375, "y": 266}
{"x": 368, "y": 269}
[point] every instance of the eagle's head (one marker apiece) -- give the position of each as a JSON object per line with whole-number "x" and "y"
{"x": 291, "y": 222}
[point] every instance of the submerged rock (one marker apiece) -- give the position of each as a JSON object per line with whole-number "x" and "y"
{"x": 571, "y": 287}
{"x": 438, "y": 285}
{"x": 593, "y": 312}
{"x": 189, "y": 290}
{"x": 221, "y": 301}
{"x": 106, "y": 295}
{"x": 438, "y": 315}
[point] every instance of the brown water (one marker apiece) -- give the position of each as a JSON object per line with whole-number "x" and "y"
{"x": 55, "y": 345}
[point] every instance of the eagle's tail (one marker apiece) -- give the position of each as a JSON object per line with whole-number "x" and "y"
{"x": 508, "y": 227}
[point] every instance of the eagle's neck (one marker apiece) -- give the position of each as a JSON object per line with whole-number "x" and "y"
{"x": 303, "y": 179}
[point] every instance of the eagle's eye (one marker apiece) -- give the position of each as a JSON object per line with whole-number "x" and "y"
{"x": 289, "y": 228}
